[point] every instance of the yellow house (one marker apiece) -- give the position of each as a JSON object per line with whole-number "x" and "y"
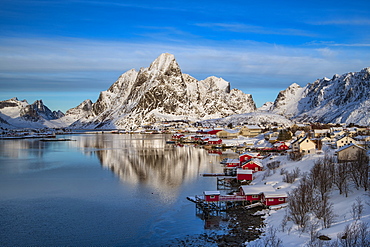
{"x": 304, "y": 145}
{"x": 227, "y": 133}
{"x": 344, "y": 140}
{"x": 250, "y": 130}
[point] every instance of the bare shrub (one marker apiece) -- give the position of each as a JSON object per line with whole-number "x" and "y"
{"x": 289, "y": 177}
{"x": 355, "y": 234}
{"x": 295, "y": 156}
{"x": 357, "y": 209}
{"x": 301, "y": 202}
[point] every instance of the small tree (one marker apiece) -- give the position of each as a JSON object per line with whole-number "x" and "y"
{"x": 357, "y": 209}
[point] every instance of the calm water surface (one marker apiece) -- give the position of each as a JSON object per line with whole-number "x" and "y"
{"x": 103, "y": 189}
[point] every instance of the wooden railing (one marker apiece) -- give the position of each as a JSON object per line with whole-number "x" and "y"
{"x": 233, "y": 198}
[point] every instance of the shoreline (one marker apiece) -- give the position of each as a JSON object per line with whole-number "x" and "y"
{"x": 242, "y": 226}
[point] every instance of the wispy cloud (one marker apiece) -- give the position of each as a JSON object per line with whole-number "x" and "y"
{"x": 346, "y": 21}
{"x": 332, "y": 43}
{"x": 245, "y": 28}
{"x": 77, "y": 63}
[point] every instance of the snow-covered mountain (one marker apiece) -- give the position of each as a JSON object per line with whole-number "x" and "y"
{"x": 342, "y": 99}
{"x": 161, "y": 92}
{"x": 19, "y": 114}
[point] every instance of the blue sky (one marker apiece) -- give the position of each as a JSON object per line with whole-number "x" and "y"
{"x": 64, "y": 52}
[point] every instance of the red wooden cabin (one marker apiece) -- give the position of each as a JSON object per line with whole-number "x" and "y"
{"x": 232, "y": 163}
{"x": 254, "y": 165}
{"x": 247, "y": 156}
{"x": 211, "y": 196}
{"x": 244, "y": 174}
{"x": 280, "y": 146}
{"x": 254, "y": 193}
{"x": 274, "y": 198}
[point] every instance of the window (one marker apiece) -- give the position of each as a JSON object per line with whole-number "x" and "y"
{"x": 271, "y": 200}
{"x": 281, "y": 199}
{"x": 212, "y": 197}
{"x": 254, "y": 196}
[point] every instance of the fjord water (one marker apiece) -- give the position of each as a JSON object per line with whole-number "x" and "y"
{"x": 100, "y": 190}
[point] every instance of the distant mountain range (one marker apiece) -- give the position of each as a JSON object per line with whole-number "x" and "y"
{"x": 162, "y": 92}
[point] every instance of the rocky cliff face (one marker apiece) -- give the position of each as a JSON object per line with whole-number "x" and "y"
{"x": 342, "y": 99}
{"x": 38, "y": 111}
{"x": 162, "y": 92}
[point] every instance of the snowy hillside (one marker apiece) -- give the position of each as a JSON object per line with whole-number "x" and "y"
{"x": 282, "y": 230}
{"x": 162, "y": 92}
{"x": 342, "y": 99}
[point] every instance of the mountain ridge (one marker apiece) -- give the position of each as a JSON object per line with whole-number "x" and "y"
{"x": 161, "y": 92}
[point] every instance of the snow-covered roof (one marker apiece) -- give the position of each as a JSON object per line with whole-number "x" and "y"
{"x": 211, "y": 193}
{"x": 350, "y": 145}
{"x": 252, "y": 126}
{"x": 275, "y": 194}
{"x": 255, "y": 161}
{"x": 249, "y": 154}
{"x": 257, "y": 189}
{"x": 234, "y": 131}
{"x": 229, "y": 160}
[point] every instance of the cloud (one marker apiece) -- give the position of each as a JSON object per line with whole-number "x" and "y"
{"x": 76, "y": 63}
{"x": 245, "y": 28}
{"x": 347, "y": 21}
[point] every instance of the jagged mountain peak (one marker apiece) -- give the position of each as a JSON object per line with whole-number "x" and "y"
{"x": 218, "y": 82}
{"x": 164, "y": 63}
{"x": 294, "y": 85}
{"x": 162, "y": 92}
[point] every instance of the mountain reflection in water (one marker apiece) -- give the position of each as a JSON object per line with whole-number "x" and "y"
{"x": 147, "y": 159}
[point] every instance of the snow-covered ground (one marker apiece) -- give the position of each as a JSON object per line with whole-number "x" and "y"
{"x": 292, "y": 234}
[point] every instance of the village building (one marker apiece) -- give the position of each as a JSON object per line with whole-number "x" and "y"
{"x": 211, "y": 196}
{"x": 343, "y": 141}
{"x": 280, "y": 146}
{"x": 253, "y": 193}
{"x": 227, "y": 134}
{"x": 336, "y": 134}
{"x": 250, "y": 130}
{"x": 350, "y": 152}
{"x": 248, "y": 156}
{"x": 299, "y": 133}
{"x": 274, "y": 198}
{"x": 363, "y": 141}
{"x": 244, "y": 175}
{"x": 317, "y": 133}
{"x": 254, "y": 164}
{"x": 209, "y": 131}
{"x": 326, "y": 140}
{"x": 271, "y": 136}
{"x": 304, "y": 145}
{"x": 232, "y": 162}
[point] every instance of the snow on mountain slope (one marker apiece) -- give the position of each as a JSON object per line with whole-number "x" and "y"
{"x": 20, "y": 114}
{"x": 253, "y": 118}
{"x": 162, "y": 92}
{"x": 342, "y": 99}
